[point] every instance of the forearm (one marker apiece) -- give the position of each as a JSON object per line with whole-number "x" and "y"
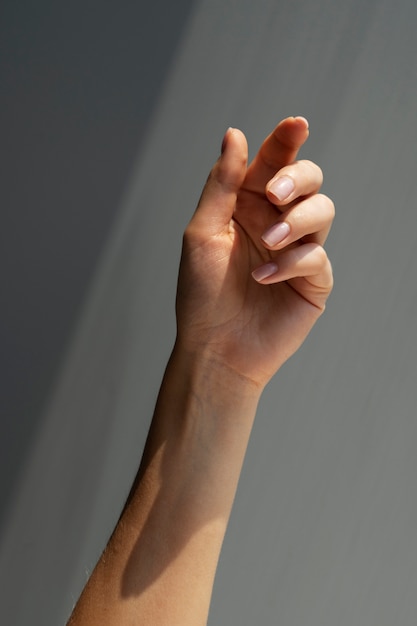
{"x": 160, "y": 563}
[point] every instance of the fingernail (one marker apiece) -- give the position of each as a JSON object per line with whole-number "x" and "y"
{"x": 301, "y": 117}
{"x": 224, "y": 142}
{"x": 264, "y": 271}
{"x": 282, "y": 187}
{"x": 276, "y": 233}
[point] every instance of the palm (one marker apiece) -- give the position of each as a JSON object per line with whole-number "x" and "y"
{"x": 252, "y": 327}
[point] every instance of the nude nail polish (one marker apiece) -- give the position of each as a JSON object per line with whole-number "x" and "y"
{"x": 282, "y": 187}
{"x": 276, "y": 234}
{"x": 225, "y": 138}
{"x": 264, "y": 271}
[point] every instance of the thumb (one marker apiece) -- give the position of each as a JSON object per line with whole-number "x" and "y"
{"x": 218, "y": 199}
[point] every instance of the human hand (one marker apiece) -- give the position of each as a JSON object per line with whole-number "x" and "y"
{"x": 254, "y": 276}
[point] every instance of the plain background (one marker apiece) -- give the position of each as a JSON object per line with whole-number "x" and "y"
{"x": 111, "y": 117}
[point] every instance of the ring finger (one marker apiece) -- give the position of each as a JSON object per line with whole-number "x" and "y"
{"x": 309, "y": 220}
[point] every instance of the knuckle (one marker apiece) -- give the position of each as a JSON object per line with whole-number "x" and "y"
{"x": 315, "y": 170}
{"x": 322, "y": 257}
{"x": 327, "y": 204}
{"x": 315, "y": 255}
{"x": 324, "y": 267}
{"x": 305, "y": 171}
{"x": 331, "y": 207}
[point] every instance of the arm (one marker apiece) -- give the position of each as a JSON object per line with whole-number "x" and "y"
{"x": 234, "y": 330}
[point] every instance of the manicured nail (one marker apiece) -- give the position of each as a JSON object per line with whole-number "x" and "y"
{"x": 301, "y": 117}
{"x": 225, "y": 138}
{"x": 276, "y": 233}
{"x": 264, "y": 271}
{"x": 282, "y": 187}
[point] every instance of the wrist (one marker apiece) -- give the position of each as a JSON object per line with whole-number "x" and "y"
{"x": 203, "y": 420}
{"x": 203, "y": 398}
{"x": 202, "y": 369}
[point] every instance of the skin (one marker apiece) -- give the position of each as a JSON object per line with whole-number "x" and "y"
{"x": 244, "y": 306}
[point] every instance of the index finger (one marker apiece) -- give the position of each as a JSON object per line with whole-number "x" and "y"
{"x": 278, "y": 149}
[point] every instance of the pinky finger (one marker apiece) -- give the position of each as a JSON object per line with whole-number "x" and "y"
{"x": 307, "y": 261}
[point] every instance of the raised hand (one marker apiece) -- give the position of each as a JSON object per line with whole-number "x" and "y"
{"x": 253, "y": 280}
{"x": 254, "y": 276}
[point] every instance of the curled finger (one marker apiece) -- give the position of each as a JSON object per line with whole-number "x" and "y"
{"x": 301, "y": 178}
{"x": 309, "y": 220}
{"x": 305, "y": 261}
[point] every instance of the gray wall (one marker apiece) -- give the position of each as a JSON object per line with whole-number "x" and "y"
{"x": 113, "y": 119}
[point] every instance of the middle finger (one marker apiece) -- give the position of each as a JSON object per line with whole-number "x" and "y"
{"x": 301, "y": 178}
